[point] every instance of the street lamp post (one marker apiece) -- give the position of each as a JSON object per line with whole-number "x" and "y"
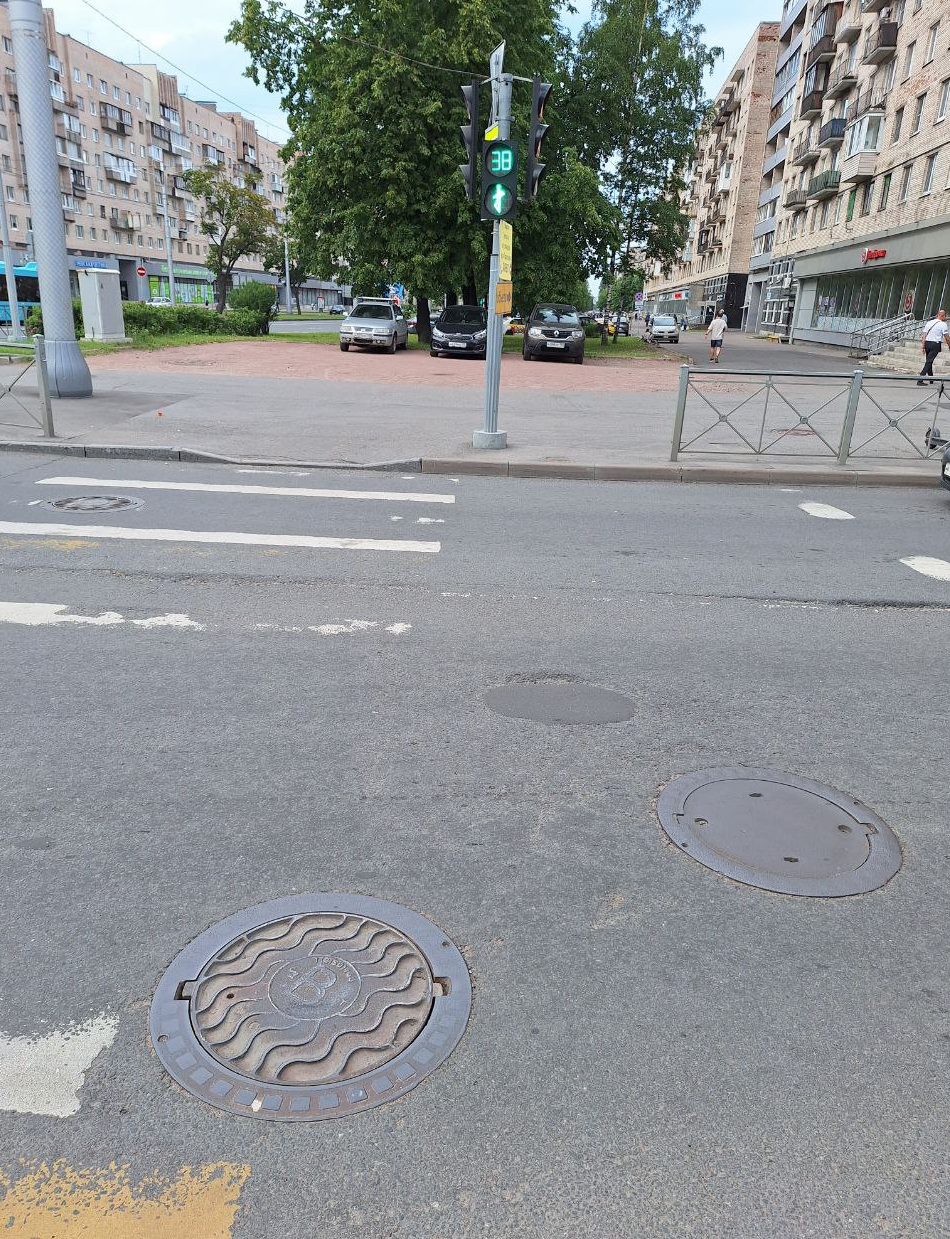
{"x": 68, "y": 372}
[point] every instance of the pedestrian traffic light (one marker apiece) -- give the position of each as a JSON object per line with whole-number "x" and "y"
{"x": 538, "y": 132}
{"x": 470, "y": 137}
{"x": 499, "y": 179}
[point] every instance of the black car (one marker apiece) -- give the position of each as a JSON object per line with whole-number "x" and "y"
{"x": 460, "y": 329}
{"x": 553, "y": 330}
{"x": 933, "y": 438}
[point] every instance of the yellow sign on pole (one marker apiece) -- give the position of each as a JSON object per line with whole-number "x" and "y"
{"x": 503, "y": 297}
{"x": 491, "y": 133}
{"x": 506, "y": 242}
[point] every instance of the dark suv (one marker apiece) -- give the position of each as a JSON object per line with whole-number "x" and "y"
{"x": 553, "y": 330}
{"x": 460, "y": 329}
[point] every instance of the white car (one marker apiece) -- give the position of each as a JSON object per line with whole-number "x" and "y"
{"x": 159, "y": 301}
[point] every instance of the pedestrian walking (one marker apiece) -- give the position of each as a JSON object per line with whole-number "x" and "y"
{"x": 931, "y": 342}
{"x": 715, "y": 331}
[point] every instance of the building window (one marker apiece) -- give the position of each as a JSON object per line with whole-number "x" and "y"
{"x": 825, "y": 208}
{"x": 866, "y": 195}
{"x": 11, "y": 194}
{"x": 932, "y": 43}
{"x": 4, "y": 134}
{"x": 905, "y": 182}
{"x": 864, "y": 135}
{"x": 849, "y": 214}
{"x": 944, "y": 101}
{"x": 7, "y": 45}
{"x": 103, "y": 87}
{"x": 918, "y": 113}
{"x": 93, "y": 234}
{"x": 128, "y": 98}
{"x": 898, "y": 125}
{"x": 77, "y": 75}
{"x": 150, "y": 243}
{"x": 80, "y": 230}
{"x": 929, "y": 168}
{"x": 885, "y": 190}
{"x": 116, "y": 93}
{"x": 14, "y": 222}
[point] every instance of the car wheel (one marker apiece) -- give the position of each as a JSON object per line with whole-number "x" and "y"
{"x": 526, "y": 355}
{"x": 393, "y": 344}
{"x": 434, "y": 353}
{"x": 344, "y": 348}
{"x": 578, "y": 361}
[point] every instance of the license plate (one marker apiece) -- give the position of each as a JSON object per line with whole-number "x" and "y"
{"x": 456, "y": 344}
{"x": 556, "y": 344}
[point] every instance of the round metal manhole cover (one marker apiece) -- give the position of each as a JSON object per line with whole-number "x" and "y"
{"x": 94, "y": 503}
{"x": 779, "y": 832}
{"x": 311, "y": 1007}
{"x": 559, "y": 701}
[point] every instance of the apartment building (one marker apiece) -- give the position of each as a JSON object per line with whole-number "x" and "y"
{"x": 125, "y": 135}
{"x": 865, "y": 214}
{"x": 723, "y": 191}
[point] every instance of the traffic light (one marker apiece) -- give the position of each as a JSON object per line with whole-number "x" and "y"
{"x": 499, "y": 179}
{"x": 535, "y": 170}
{"x": 470, "y": 136}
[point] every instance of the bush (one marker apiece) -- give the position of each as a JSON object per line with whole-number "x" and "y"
{"x": 259, "y": 298}
{"x": 34, "y": 319}
{"x": 166, "y": 320}
{"x": 592, "y": 331}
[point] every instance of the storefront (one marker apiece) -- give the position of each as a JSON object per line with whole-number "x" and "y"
{"x": 193, "y": 285}
{"x": 855, "y": 286}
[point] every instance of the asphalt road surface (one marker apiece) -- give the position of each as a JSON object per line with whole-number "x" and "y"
{"x": 292, "y": 327}
{"x": 196, "y": 722}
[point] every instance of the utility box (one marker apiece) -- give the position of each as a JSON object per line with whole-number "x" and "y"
{"x": 102, "y": 306}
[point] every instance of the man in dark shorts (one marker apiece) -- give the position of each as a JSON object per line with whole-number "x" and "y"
{"x": 715, "y": 331}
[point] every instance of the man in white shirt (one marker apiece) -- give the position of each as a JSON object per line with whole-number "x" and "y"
{"x": 931, "y": 343}
{"x": 715, "y": 331}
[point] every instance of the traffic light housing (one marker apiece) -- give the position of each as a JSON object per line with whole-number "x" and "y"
{"x": 470, "y": 136}
{"x": 538, "y": 132}
{"x": 500, "y": 179}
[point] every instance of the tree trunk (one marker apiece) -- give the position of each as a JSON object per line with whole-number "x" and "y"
{"x": 221, "y": 293}
{"x": 296, "y": 291}
{"x": 423, "y": 321}
{"x": 451, "y": 297}
{"x": 470, "y": 293}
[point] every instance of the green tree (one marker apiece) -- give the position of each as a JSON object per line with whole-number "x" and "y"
{"x": 236, "y": 220}
{"x": 301, "y": 260}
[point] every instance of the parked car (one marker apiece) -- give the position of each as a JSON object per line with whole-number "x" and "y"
{"x": 664, "y": 329}
{"x": 553, "y": 330}
{"x": 933, "y": 438}
{"x": 159, "y": 301}
{"x": 375, "y": 322}
{"x": 340, "y": 308}
{"x": 515, "y": 326}
{"x": 460, "y": 329}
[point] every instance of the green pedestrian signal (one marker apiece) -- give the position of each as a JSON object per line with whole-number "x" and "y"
{"x": 499, "y": 179}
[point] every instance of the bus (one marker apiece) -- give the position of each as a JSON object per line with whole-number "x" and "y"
{"x": 27, "y": 292}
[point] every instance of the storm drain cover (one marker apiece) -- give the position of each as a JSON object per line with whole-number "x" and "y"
{"x": 94, "y": 503}
{"x": 779, "y": 832}
{"x": 559, "y": 701}
{"x": 311, "y": 1007}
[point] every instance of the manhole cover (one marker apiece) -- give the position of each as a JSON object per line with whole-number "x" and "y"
{"x": 311, "y": 1007}
{"x": 779, "y": 832}
{"x": 94, "y": 503}
{"x": 559, "y": 701}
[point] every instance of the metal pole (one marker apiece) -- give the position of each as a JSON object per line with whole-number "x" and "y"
{"x": 16, "y": 332}
{"x": 850, "y": 413}
{"x": 287, "y": 305}
{"x": 168, "y": 247}
{"x": 42, "y": 384}
{"x": 680, "y": 412}
{"x": 68, "y": 372}
{"x": 490, "y": 436}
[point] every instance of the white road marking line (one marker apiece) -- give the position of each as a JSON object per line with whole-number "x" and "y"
{"x": 826, "y": 511}
{"x": 222, "y": 488}
{"x": 172, "y": 620}
{"x": 38, "y": 614}
{"x": 224, "y": 539}
{"x": 398, "y": 629}
{"x": 791, "y": 490}
{"x": 429, "y": 520}
{"x": 939, "y": 569}
{"x": 43, "y": 1075}
{"x": 396, "y": 518}
{"x": 333, "y": 630}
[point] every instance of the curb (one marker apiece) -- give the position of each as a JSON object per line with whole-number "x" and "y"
{"x": 657, "y": 471}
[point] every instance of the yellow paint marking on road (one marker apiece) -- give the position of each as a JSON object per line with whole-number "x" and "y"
{"x": 49, "y": 544}
{"x": 57, "y": 1201}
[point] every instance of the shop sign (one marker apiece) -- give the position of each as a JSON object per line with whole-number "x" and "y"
{"x": 682, "y": 295}
{"x": 870, "y": 255}
{"x": 93, "y": 264}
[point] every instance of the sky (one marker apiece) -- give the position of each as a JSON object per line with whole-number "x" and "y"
{"x": 193, "y": 37}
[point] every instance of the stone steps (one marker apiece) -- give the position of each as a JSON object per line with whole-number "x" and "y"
{"x": 906, "y": 358}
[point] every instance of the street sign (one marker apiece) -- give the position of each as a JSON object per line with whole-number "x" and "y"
{"x": 506, "y": 242}
{"x": 496, "y": 64}
{"x": 491, "y": 133}
{"x": 140, "y": 271}
{"x": 503, "y": 300}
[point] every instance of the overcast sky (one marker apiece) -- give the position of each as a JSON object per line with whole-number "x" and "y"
{"x": 192, "y": 35}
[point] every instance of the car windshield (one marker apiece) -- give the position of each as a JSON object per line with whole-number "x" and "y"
{"x": 664, "y": 321}
{"x": 373, "y": 311}
{"x": 463, "y": 316}
{"x": 566, "y": 315}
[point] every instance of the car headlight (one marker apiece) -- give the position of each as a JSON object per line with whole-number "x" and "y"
{"x": 577, "y": 335}
{"x": 535, "y": 333}
{"x": 382, "y": 331}
{"x": 480, "y": 335}
{"x": 437, "y": 334}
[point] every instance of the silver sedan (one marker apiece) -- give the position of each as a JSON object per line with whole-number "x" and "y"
{"x": 376, "y": 323}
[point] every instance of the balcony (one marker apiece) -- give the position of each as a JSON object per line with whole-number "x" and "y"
{"x": 276, "y": 184}
{"x": 729, "y": 103}
{"x": 825, "y": 184}
{"x": 161, "y": 134}
{"x": 249, "y": 155}
{"x": 123, "y": 221}
{"x": 880, "y": 45}
{"x": 180, "y": 145}
{"x": 825, "y": 49}
{"x": 121, "y": 172}
{"x": 843, "y": 80}
{"x": 831, "y": 133}
{"x": 77, "y": 184}
{"x": 212, "y": 155}
{"x": 869, "y": 101}
{"x": 796, "y": 199}
{"x": 805, "y": 152}
{"x": 71, "y": 206}
{"x": 873, "y": 6}
{"x": 811, "y": 104}
{"x": 859, "y": 167}
{"x": 849, "y": 25}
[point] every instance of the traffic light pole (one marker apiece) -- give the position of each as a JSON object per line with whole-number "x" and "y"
{"x": 490, "y": 436}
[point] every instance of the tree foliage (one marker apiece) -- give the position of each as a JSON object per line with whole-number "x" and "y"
{"x": 236, "y": 220}
{"x": 302, "y": 260}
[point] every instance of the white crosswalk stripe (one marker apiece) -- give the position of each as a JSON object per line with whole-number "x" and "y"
{"x": 222, "y": 488}
{"x": 224, "y": 537}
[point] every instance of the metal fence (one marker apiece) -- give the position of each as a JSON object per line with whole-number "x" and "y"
{"x": 36, "y": 407}
{"x": 837, "y": 416}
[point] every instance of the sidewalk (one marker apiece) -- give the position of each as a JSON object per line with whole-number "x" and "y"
{"x": 608, "y": 419}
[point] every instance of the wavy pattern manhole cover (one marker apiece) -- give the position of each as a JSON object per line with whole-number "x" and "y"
{"x": 779, "y": 832}
{"x": 559, "y": 701}
{"x": 311, "y": 1007}
{"x": 93, "y": 503}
